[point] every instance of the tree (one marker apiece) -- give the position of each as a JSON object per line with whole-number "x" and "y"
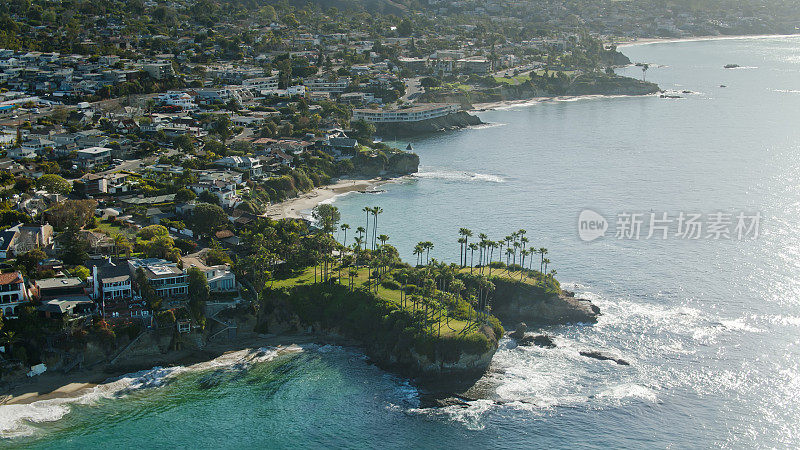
{"x": 151, "y": 231}
{"x": 198, "y": 290}
{"x": 184, "y": 195}
{"x": 72, "y": 214}
{"x": 405, "y": 28}
{"x": 222, "y": 126}
{"x": 344, "y": 227}
{"x": 208, "y": 218}
{"x": 430, "y": 82}
{"x": 23, "y": 185}
{"x": 146, "y": 290}
{"x": 54, "y": 184}
{"x": 207, "y": 197}
{"x": 363, "y": 129}
{"x": 74, "y": 250}
{"x": 326, "y": 216}
{"x": 29, "y": 262}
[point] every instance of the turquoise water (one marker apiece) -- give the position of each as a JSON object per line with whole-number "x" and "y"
{"x": 711, "y": 327}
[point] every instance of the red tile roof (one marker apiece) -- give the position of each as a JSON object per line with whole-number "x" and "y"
{"x": 10, "y": 278}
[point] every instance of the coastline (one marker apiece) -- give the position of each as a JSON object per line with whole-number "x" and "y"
{"x": 55, "y": 385}
{"x": 294, "y": 207}
{"x": 478, "y": 107}
{"x": 648, "y": 41}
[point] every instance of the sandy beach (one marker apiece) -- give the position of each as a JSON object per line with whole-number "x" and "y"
{"x": 294, "y": 207}
{"x": 701, "y": 38}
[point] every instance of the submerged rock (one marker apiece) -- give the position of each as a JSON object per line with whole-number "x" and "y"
{"x": 600, "y": 356}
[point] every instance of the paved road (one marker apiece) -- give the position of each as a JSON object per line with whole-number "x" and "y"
{"x": 413, "y": 89}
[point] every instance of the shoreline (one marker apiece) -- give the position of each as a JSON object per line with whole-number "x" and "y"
{"x": 57, "y": 386}
{"x": 648, "y": 41}
{"x": 491, "y": 106}
{"x": 294, "y": 207}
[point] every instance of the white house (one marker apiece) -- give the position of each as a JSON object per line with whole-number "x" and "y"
{"x": 12, "y": 293}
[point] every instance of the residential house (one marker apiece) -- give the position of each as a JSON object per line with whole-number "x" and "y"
{"x": 48, "y": 288}
{"x": 112, "y": 288}
{"x": 220, "y": 277}
{"x": 92, "y": 156}
{"x": 12, "y": 293}
{"x": 164, "y": 277}
{"x": 244, "y": 163}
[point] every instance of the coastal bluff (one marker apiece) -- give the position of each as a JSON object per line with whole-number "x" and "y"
{"x": 520, "y": 302}
{"x": 391, "y": 339}
{"x": 454, "y": 121}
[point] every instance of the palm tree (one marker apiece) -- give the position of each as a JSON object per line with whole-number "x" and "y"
{"x": 367, "y": 210}
{"x": 472, "y": 248}
{"x": 361, "y": 232}
{"x": 644, "y": 70}
{"x": 383, "y": 238}
{"x": 509, "y": 252}
{"x": 492, "y": 246}
{"x": 418, "y": 251}
{"x": 516, "y": 247}
{"x": 467, "y": 233}
{"x": 344, "y": 227}
{"x": 546, "y": 262}
{"x": 461, "y": 241}
{"x": 542, "y": 251}
{"x": 375, "y": 211}
{"x": 428, "y": 246}
{"x": 359, "y": 241}
{"x": 523, "y": 254}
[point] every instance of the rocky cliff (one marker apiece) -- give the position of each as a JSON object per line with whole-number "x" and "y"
{"x": 610, "y": 85}
{"x": 389, "y": 336}
{"x": 516, "y": 302}
{"x": 449, "y": 122}
{"x": 378, "y": 163}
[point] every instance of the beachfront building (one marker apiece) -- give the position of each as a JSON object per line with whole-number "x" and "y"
{"x": 12, "y": 293}
{"x": 423, "y": 111}
{"x": 164, "y": 276}
{"x": 220, "y": 278}
{"x": 112, "y": 288}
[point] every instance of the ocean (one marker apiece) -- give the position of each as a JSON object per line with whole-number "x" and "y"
{"x": 709, "y": 319}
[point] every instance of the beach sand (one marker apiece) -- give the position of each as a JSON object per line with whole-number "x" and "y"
{"x": 293, "y": 208}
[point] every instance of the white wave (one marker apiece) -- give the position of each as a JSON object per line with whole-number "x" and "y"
{"x": 470, "y": 416}
{"x": 18, "y": 420}
{"x": 784, "y": 320}
{"x": 786, "y": 91}
{"x": 743, "y": 68}
{"x": 15, "y": 420}
{"x": 740, "y": 325}
{"x": 629, "y": 390}
{"x": 484, "y": 126}
{"x": 452, "y": 175}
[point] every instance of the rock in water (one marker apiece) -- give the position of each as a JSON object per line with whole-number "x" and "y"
{"x": 540, "y": 340}
{"x": 519, "y": 333}
{"x": 597, "y": 355}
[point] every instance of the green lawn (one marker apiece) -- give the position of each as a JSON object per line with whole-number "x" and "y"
{"x": 453, "y": 327}
{"x": 112, "y": 229}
